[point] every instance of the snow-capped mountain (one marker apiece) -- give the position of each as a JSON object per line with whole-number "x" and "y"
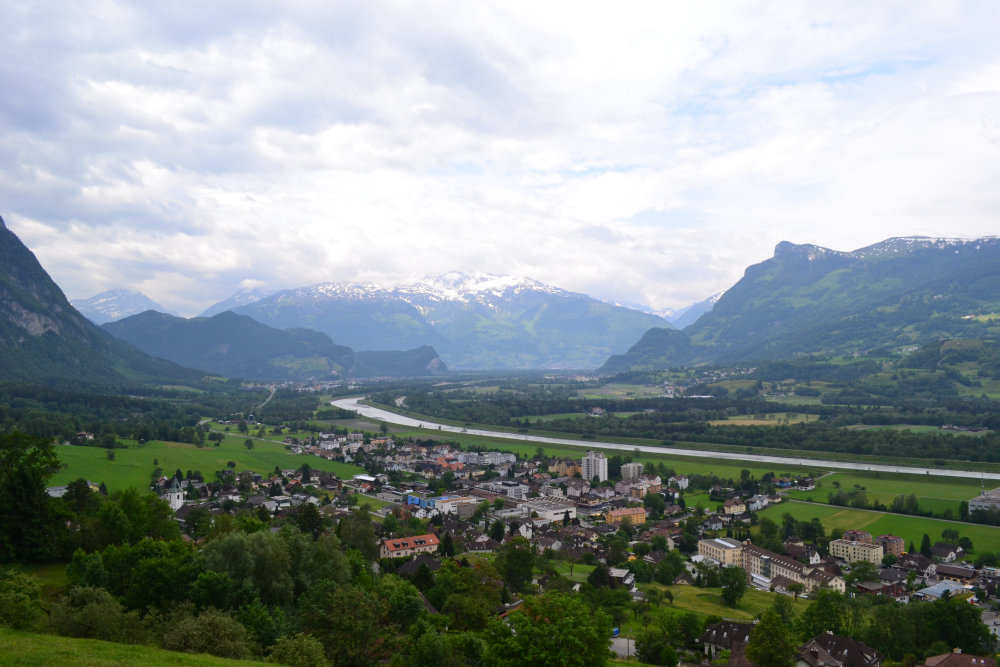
{"x": 114, "y": 304}
{"x": 474, "y": 320}
{"x": 244, "y": 297}
{"x": 690, "y": 314}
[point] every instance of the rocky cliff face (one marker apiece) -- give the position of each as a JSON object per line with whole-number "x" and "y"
{"x": 44, "y": 340}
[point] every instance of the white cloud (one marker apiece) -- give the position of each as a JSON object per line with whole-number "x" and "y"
{"x": 646, "y": 153}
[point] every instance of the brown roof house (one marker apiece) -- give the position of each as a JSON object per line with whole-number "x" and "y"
{"x": 722, "y": 636}
{"x": 830, "y": 650}
{"x": 958, "y": 659}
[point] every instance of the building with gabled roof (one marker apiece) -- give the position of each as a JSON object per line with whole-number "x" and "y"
{"x": 400, "y": 547}
{"x": 830, "y": 650}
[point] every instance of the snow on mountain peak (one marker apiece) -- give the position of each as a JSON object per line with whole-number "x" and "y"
{"x": 458, "y": 286}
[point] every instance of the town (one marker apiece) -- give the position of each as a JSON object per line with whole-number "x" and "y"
{"x": 630, "y": 522}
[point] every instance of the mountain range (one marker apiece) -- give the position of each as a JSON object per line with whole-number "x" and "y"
{"x": 474, "y": 321}
{"x": 238, "y": 346}
{"x": 807, "y": 299}
{"x": 114, "y": 305}
{"x": 44, "y": 340}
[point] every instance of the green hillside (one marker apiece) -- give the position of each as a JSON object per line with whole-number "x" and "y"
{"x": 808, "y": 300}
{"x": 26, "y": 649}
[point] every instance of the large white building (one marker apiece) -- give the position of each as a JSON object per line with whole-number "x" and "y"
{"x": 631, "y": 470}
{"x": 595, "y": 465}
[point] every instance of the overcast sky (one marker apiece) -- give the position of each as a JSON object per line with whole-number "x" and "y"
{"x": 645, "y": 153}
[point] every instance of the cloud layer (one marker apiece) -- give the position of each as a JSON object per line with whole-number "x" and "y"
{"x": 645, "y": 154}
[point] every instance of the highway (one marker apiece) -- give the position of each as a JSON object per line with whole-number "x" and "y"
{"x": 402, "y": 420}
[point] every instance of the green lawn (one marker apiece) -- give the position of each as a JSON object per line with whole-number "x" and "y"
{"x": 26, "y": 649}
{"x": 132, "y": 467}
{"x": 910, "y": 528}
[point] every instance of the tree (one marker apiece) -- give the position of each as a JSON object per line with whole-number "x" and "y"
{"x": 734, "y": 584}
{"x": 447, "y": 545}
{"x": 516, "y": 562}
{"x": 31, "y": 527}
{"x": 543, "y": 629}
{"x": 655, "y": 503}
{"x": 299, "y": 650}
{"x": 925, "y": 545}
{"x": 599, "y": 577}
{"x": 949, "y": 535}
{"x": 862, "y": 570}
{"x": 20, "y": 600}
{"x": 248, "y": 443}
{"x": 357, "y": 532}
{"x": 309, "y": 520}
{"x": 212, "y": 631}
{"x": 497, "y": 530}
{"x": 771, "y": 643}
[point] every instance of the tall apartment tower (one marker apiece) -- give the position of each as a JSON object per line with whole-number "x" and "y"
{"x": 595, "y": 465}
{"x": 631, "y": 470}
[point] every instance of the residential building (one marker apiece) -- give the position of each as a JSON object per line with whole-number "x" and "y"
{"x": 766, "y": 568}
{"x": 857, "y": 536}
{"x": 724, "y": 636}
{"x": 568, "y": 469}
{"x": 723, "y": 550}
{"x": 594, "y": 464}
{"x": 634, "y": 515}
{"x": 680, "y": 481}
{"x": 958, "y": 659}
{"x": 948, "y": 553}
{"x": 631, "y": 470}
{"x": 852, "y": 551}
{"x": 734, "y": 506}
{"x": 891, "y": 544}
{"x": 830, "y": 650}
{"x": 407, "y": 546}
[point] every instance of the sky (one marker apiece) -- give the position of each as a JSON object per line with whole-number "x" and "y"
{"x": 644, "y": 153}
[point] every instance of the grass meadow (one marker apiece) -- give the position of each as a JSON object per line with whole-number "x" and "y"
{"x": 133, "y": 466}
{"x": 936, "y": 494}
{"x": 911, "y": 528}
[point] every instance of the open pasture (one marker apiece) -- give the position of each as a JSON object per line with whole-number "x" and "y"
{"x": 134, "y": 466}
{"x": 910, "y": 528}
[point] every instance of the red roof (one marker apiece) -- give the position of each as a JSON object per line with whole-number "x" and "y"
{"x": 402, "y": 543}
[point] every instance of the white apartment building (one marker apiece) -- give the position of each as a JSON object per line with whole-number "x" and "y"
{"x": 594, "y": 464}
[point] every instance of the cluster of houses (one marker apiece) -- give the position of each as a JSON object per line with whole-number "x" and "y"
{"x": 913, "y": 576}
{"x": 824, "y": 650}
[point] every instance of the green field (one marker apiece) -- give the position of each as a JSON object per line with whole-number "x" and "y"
{"x": 708, "y": 601}
{"x": 27, "y": 649}
{"x": 910, "y": 528}
{"x": 133, "y": 466}
{"x": 933, "y": 493}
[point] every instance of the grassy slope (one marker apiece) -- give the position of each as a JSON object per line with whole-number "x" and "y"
{"x": 24, "y": 649}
